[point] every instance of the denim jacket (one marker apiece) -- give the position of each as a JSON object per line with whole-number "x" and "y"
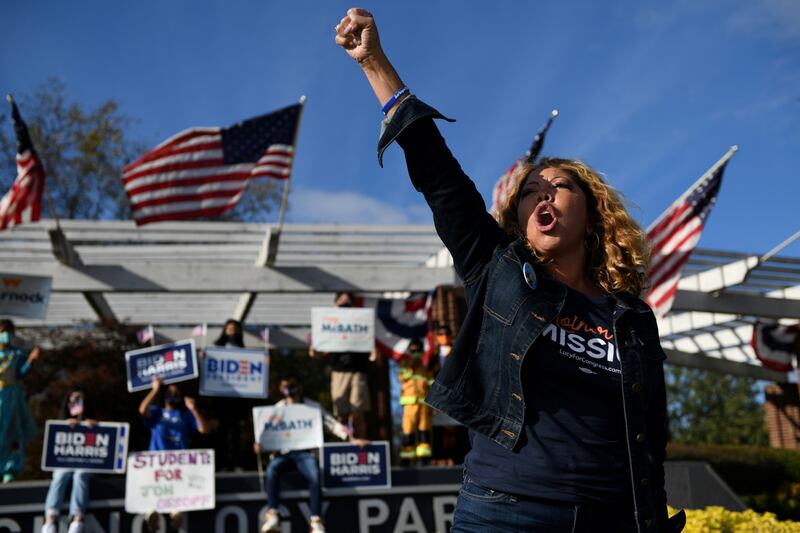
{"x": 480, "y": 384}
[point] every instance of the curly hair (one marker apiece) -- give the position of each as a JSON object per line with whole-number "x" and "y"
{"x": 620, "y": 261}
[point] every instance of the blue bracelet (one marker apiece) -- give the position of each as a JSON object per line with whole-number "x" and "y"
{"x": 388, "y": 105}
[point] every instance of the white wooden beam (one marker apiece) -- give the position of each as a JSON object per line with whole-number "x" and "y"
{"x": 214, "y": 278}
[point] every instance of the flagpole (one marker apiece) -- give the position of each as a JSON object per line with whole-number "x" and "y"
{"x": 722, "y": 160}
{"x": 768, "y": 255}
{"x": 538, "y": 140}
{"x": 285, "y": 196}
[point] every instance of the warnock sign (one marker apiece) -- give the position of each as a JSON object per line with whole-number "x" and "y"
{"x": 170, "y": 481}
{"x": 24, "y": 296}
{"x": 100, "y": 448}
{"x": 171, "y": 362}
{"x": 349, "y": 465}
{"x": 338, "y": 329}
{"x": 234, "y": 372}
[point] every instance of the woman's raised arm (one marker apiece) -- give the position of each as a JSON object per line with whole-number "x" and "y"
{"x": 358, "y": 35}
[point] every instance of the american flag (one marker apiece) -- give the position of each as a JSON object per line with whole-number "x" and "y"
{"x": 23, "y": 202}
{"x": 505, "y": 185}
{"x": 674, "y": 235}
{"x": 204, "y": 171}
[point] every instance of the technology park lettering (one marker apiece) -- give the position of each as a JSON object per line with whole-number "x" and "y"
{"x": 170, "y": 361}
{"x": 75, "y": 444}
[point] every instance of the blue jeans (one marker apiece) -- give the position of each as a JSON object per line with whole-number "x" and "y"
{"x": 483, "y": 510}
{"x": 80, "y": 492}
{"x": 306, "y": 463}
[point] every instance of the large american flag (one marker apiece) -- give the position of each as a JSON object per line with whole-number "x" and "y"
{"x": 24, "y": 201}
{"x": 674, "y": 235}
{"x": 204, "y": 171}
{"x": 505, "y": 185}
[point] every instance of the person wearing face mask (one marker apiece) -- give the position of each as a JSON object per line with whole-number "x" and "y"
{"x": 76, "y": 409}
{"x": 17, "y": 426}
{"x": 230, "y": 414}
{"x": 171, "y": 427}
{"x": 349, "y": 387}
{"x": 306, "y": 461}
{"x": 557, "y": 370}
{"x": 415, "y": 379}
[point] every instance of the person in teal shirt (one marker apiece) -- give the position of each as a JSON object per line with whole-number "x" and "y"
{"x": 17, "y": 426}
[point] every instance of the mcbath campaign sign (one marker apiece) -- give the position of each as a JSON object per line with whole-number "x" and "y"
{"x": 101, "y": 448}
{"x": 349, "y": 465}
{"x": 338, "y": 329}
{"x": 234, "y": 372}
{"x": 25, "y": 296}
{"x": 288, "y": 427}
{"x": 171, "y": 362}
{"x": 169, "y": 481}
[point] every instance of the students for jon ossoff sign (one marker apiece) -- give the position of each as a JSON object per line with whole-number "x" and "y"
{"x": 100, "y": 448}
{"x": 235, "y": 372}
{"x": 170, "y": 481}
{"x": 342, "y": 329}
{"x": 171, "y": 362}
{"x": 288, "y": 427}
{"x": 24, "y": 296}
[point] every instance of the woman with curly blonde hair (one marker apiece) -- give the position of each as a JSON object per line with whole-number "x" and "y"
{"x": 557, "y": 369}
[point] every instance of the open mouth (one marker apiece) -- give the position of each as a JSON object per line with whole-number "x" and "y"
{"x": 545, "y": 217}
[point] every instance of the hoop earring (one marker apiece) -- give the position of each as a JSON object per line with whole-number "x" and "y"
{"x": 596, "y": 243}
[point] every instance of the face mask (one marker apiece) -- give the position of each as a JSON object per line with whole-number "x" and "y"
{"x": 416, "y": 353}
{"x": 289, "y": 391}
{"x": 76, "y": 408}
{"x": 5, "y": 337}
{"x": 173, "y": 401}
{"x": 348, "y": 304}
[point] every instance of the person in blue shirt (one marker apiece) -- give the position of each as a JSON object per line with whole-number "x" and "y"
{"x": 17, "y": 426}
{"x": 171, "y": 427}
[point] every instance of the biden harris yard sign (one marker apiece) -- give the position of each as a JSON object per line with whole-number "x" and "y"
{"x": 347, "y": 465}
{"x": 171, "y": 362}
{"x": 234, "y": 372}
{"x": 170, "y": 481}
{"x": 337, "y": 329}
{"x": 288, "y": 427}
{"x": 100, "y": 448}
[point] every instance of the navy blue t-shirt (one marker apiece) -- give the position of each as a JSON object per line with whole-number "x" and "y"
{"x": 170, "y": 429}
{"x": 573, "y": 445}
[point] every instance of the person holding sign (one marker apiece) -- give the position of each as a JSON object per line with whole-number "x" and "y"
{"x": 76, "y": 408}
{"x": 306, "y": 461}
{"x": 349, "y": 387}
{"x": 170, "y": 427}
{"x": 17, "y": 426}
{"x": 557, "y": 370}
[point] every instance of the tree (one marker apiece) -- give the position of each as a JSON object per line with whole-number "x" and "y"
{"x": 83, "y": 152}
{"x": 713, "y": 408}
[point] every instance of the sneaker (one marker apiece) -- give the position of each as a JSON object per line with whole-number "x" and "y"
{"x": 176, "y": 519}
{"x": 316, "y": 525}
{"x": 423, "y": 450}
{"x": 271, "y": 522}
{"x": 75, "y": 527}
{"x": 49, "y": 527}
{"x": 151, "y": 519}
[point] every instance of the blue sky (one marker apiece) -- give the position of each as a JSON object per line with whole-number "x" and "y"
{"x": 650, "y": 93}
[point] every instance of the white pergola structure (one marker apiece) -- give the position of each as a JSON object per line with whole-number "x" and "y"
{"x": 179, "y": 275}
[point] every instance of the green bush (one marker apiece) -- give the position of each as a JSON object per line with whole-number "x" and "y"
{"x": 766, "y": 479}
